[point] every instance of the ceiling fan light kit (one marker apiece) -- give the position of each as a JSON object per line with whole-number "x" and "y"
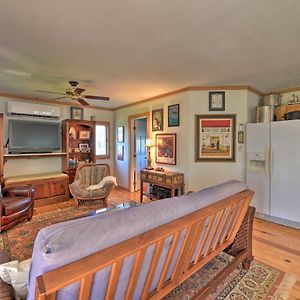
{"x": 75, "y": 92}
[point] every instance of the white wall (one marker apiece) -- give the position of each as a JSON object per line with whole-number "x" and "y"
{"x": 15, "y": 167}
{"x": 203, "y": 174}
{"x": 197, "y": 174}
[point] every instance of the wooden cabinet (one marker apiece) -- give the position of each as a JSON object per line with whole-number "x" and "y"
{"x": 50, "y": 187}
{"x": 78, "y": 141}
{"x": 282, "y": 110}
{"x": 173, "y": 181}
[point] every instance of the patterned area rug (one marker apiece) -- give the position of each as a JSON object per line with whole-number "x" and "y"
{"x": 18, "y": 241}
{"x": 260, "y": 282}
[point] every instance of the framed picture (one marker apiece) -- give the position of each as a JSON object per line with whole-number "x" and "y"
{"x": 76, "y": 113}
{"x": 84, "y": 147}
{"x": 215, "y": 138}
{"x": 120, "y": 134}
{"x": 157, "y": 120}
{"x": 173, "y": 115}
{"x": 120, "y": 152}
{"x": 216, "y": 101}
{"x": 84, "y": 134}
{"x": 166, "y": 149}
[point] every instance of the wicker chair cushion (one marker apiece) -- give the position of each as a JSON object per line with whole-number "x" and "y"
{"x": 89, "y": 175}
{"x": 80, "y": 190}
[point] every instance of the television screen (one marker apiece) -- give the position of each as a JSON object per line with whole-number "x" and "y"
{"x": 33, "y": 136}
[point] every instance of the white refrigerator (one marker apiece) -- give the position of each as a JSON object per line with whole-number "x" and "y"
{"x": 273, "y": 168}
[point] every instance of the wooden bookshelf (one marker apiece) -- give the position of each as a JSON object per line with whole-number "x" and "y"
{"x": 76, "y": 133}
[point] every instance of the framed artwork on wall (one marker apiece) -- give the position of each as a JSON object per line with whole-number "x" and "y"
{"x": 157, "y": 120}
{"x": 216, "y": 101}
{"x": 173, "y": 115}
{"x": 120, "y": 134}
{"x": 215, "y": 137}
{"x": 120, "y": 152}
{"x": 166, "y": 149}
{"x": 76, "y": 113}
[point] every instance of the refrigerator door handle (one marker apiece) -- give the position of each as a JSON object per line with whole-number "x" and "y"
{"x": 271, "y": 162}
{"x": 267, "y": 161}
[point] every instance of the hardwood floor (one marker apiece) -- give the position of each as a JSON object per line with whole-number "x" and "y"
{"x": 276, "y": 245}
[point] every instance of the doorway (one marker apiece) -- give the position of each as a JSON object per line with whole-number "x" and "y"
{"x": 139, "y": 125}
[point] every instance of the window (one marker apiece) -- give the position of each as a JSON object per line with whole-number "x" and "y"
{"x": 102, "y": 139}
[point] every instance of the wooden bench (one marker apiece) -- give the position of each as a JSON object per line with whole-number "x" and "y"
{"x": 50, "y": 187}
{"x": 224, "y": 226}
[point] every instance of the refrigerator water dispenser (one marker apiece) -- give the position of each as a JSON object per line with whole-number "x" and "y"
{"x": 256, "y": 162}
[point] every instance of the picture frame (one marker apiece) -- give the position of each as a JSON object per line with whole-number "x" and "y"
{"x": 158, "y": 120}
{"x": 84, "y": 134}
{"x": 76, "y": 113}
{"x": 165, "y": 150}
{"x": 84, "y": 147}
{"x": 120, "y": 134}
{"x": 215, "y": 137}
{"x": 173, "y": 115}
{"x": 120, "y": 152}
{"x": 216, "y": 101}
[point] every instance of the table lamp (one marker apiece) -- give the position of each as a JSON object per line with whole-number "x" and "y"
{"x": 149, "y": 145}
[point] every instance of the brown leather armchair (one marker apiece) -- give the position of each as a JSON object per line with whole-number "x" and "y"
{"x": 16, "y": 205}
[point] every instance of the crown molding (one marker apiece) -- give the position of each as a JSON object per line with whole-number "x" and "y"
{"x": 285, "y": 90}
{"x": 196, "y": 88}
{"x": 48, "y": 101}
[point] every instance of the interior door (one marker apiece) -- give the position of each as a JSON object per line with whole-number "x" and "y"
{"x": 257, "y": 174}
{"x": 285, "y": 170}
{"x": 140, "y": 149}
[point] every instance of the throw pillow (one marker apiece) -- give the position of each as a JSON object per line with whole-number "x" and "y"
{"x": 16, "y": 274}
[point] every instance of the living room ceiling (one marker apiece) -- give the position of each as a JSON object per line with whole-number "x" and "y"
{"x": 132, "y": 50}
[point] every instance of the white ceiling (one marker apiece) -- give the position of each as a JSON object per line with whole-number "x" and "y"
{"x": 131, "y": 50}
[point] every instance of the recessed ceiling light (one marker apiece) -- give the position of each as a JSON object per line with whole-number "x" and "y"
{"x": 15, "y": 72}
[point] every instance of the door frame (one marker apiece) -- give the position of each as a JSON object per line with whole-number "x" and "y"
{"x": 130, "y": 152}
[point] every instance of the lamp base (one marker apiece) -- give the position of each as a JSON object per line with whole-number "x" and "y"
{"x": 149, "y": 168}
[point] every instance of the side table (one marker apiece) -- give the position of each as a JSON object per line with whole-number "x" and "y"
{"x": 173, "y": 181}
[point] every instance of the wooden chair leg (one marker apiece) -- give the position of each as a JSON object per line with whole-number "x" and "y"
{"x": 76, "y": 202}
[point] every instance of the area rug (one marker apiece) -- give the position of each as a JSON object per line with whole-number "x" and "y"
{"x": 260, "y": 282}
{"x": 18, "y": 241}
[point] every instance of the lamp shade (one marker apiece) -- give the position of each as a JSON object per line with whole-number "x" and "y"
{"x": 149, "y": 143}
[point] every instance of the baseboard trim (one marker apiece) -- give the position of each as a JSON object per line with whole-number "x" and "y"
{"x": 277, "y": 220}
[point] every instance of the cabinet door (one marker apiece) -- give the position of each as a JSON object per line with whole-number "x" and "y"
{"x": 42, "y": 190}
{"x": 285, "y": 170}
{"x": 59, "y": 187}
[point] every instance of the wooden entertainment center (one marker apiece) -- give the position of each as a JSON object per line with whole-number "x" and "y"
{"x": 53, "y": 187}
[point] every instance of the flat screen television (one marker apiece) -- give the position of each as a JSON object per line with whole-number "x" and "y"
{"x": 33, "y": 136}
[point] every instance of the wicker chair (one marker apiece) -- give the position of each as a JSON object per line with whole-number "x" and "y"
{"x": 86, "y": 175}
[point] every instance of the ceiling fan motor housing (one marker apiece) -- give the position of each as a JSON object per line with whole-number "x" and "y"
{"x": 73, "y": 83}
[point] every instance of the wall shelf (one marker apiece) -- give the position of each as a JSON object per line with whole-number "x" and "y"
{"x": 34, "y": 155}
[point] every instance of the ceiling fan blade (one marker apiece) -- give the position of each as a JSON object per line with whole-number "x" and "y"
{"x": 82, "y": 102}
{"x": 78, "y": 91}
{"x": 64, "y": 97}
{"x": 96, "y": 97}
{"x": 49, "y": 92}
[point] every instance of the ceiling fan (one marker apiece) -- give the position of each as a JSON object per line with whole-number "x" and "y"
{"x": 75, "y": 93}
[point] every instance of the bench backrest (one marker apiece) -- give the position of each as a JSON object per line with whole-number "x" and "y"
{"x": 151, "y": 264}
